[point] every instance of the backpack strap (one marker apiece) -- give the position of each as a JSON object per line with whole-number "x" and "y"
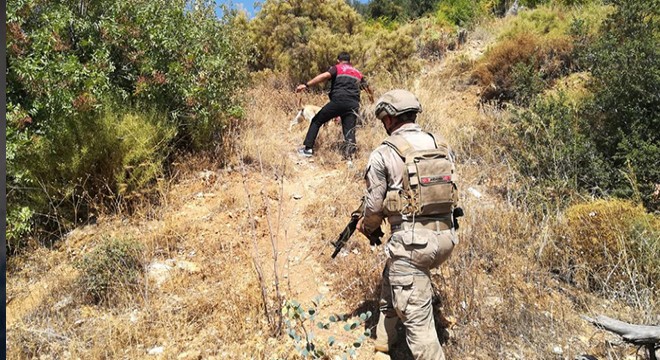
{"x": 435, "y": 143}
{"x": 400, "y": 145}
{"x": 403, "y": 148}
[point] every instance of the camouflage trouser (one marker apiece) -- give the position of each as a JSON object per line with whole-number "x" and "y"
{"x": 406, "y": 292}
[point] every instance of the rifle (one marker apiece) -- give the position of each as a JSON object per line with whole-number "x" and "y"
{"x": 374, "y": 238}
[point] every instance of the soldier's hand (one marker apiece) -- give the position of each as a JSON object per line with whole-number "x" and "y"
{"x": 301, "y": 87}
{"x": 360, "y": 226}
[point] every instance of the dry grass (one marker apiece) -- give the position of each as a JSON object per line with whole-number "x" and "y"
{"x": 497, "y": 300}
{"x": 609, "y": 247}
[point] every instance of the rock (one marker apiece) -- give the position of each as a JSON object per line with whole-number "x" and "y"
{"x": 474, "y": 192}
{"x": 158, "y": 272}
{"x": 157, "y": 350}
{"x": 557, "y": 350}
{"x": 189, "y": 266}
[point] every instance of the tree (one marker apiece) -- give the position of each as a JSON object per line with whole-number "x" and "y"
{"x": 85, "y": 79}
{"x": 302, "y": 37}
{"x": 625, "y": 115}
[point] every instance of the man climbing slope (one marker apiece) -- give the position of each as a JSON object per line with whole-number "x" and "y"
{"x": 346, "y": 83}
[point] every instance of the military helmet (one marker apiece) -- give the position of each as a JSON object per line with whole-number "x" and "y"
{"x": 397, "y": 102}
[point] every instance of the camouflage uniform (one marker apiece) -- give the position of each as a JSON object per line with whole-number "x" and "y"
{"x": 413, "y": 250}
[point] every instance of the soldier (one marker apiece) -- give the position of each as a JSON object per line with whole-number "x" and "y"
{"x": 422, "y": 226}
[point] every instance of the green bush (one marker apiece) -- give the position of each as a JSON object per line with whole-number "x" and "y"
{"x": 146, "y": 141}
{"x": 625, "y": 113}
{"x": 114, "y": 267}
{"x": 301, "y": 38}
{"x": 76, "y": 74}
{"x": 607, "y": 142}
{"x": 554, "y": 148}
{"x": 512, "y": 70}
{"x": 534, "y": 50}
{"x": 389, "y": 9}
{"x": 392, "y": 52}
{"x": 461, "y": 12}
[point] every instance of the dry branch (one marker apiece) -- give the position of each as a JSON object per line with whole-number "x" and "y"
{"x": 642, "y": 335}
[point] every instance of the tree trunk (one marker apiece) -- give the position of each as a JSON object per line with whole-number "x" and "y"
{"x": 642, "y": 335}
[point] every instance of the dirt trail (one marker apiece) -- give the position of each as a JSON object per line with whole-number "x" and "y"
{"x": 302, "y": 276}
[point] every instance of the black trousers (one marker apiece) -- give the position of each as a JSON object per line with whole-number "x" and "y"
{"x": 348, "y": 112}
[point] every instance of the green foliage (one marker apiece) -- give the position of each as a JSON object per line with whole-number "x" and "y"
{"x": 302, "y": 38}
{"x": 625, "y": 114}
{"x": 461, "y": 12}
{"x": 606, "y": 142}
{"x": 75, "y": 75}
{"x": 554, "y": 148}
{"x": 144, "y": 147}
{"x": 360, "y": 7}
{"x": 298, "y": 319}
{"x": 534, "y": 50}
{"x": 526, "y": 82}
{"x": 432, "y": 39}
{"x": 18, "y": 225}
{"x": 389, "y": 9}
{"x": 391, "y": 52}
{"x": 113, "y": 266}
{"x": 609, "y": 247}
{"x": 400, "y": 10}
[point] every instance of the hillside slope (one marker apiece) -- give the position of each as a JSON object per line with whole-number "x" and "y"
{"x": 224, "y": 239}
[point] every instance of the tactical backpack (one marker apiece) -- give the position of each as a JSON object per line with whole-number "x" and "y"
{"x": 428, "y": 180}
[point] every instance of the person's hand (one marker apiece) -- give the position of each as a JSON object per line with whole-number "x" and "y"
{"x": 360, "y": 226}
{"x": 301, "y": 87}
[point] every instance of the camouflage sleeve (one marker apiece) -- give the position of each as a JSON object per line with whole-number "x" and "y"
{"x": 376, "y": 178}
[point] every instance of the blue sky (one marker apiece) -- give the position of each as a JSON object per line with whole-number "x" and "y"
{"x": 251, "y": 6}
{"x": 247, "y": 5}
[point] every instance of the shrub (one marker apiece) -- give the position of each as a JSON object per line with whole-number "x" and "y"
{"x": 625, "y": 113}
{"x": 553, "y": 146}
{"x": 389, "y": 9}
{"x": 290, "y": 36}
{"x": 533, "y": 51}
{"x": 461, "y": 12}
{"x": 299, "y": 39}
{"x": 66, "y": 174}
{"x": 391, "y": 52}
{"x": 109, "y": 269}
{"x": 68, "y": 67}
{"x": 506, "y": 70}
{"x": 611, "y": 247}
{"x": 146, "y": 142}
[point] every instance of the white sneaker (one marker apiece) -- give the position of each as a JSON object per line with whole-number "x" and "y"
{"x": 303, "y": 151}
